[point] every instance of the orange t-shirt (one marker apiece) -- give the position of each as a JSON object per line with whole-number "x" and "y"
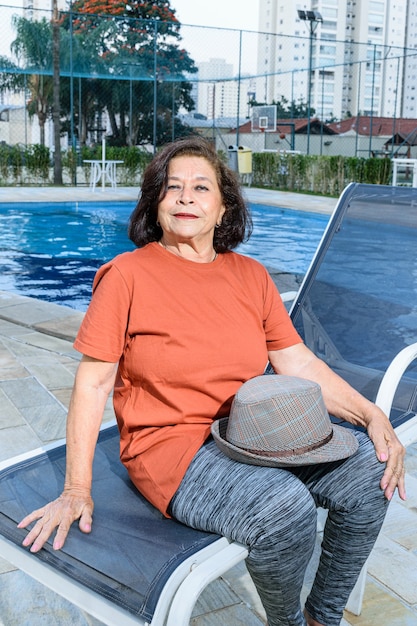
{"x": 186, "y": 336}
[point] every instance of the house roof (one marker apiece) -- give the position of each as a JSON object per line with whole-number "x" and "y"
{"x": 377, "y": 126}
{"x": 300, "y": 126}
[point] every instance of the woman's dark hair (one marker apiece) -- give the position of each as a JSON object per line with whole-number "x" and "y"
{"x": 236, "y": 225}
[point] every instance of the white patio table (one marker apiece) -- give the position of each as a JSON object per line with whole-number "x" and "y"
{"x": 104, "y": 170}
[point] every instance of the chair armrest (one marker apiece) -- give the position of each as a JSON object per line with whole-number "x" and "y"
{"x": 287, "y": 296}
{"x": 407, "y": 432}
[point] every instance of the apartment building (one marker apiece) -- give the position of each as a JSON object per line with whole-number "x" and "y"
{"x": 360, "y": 53}
{"x": 218, "y": 92}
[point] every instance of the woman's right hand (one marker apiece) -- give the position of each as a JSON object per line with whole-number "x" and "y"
{"x": 59, "y": 514}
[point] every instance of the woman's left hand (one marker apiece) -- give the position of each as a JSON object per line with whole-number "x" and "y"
{"x": 389, "y": 450}
{"x": 348, "y": 404}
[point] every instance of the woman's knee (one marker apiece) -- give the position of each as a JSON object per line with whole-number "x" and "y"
{"x": 287, "y": 517}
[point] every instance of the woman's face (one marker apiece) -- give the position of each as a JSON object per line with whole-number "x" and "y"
{"x": 193, "y": 203}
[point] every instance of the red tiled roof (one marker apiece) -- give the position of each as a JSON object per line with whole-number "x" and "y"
{"x": 378, "y": 126}
{"x": 285, "y": 125}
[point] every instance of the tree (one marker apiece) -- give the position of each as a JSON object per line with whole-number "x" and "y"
{"x": 10, "y": 77}
{"x": 56, "y": 95}
{"x": 33, "y": 46}
{"x": 127, "y": 42}
{"x": 288, "y": 110}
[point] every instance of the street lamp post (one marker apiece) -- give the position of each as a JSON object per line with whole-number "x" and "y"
{"x": 313, "y": 18}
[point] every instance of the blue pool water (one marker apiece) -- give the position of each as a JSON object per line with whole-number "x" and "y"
{"x": 52, "y": 251}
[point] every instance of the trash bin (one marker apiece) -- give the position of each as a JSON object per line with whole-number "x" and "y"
{"x": 244, "y": 160}
{"x": 232, "y": 153}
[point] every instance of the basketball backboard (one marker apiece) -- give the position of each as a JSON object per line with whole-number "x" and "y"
{"x": 264, "y": 119}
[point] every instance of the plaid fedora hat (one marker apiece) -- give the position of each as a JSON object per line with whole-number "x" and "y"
{"x": 281, "y": 421}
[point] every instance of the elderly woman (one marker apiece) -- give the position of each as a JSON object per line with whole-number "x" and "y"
{"x": 175, "y": 328}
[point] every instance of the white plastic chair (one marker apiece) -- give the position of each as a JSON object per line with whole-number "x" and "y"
{"x": 169, "y": 593}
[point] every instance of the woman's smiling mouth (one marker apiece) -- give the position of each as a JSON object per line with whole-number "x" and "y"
{"x": 185, "y": 216}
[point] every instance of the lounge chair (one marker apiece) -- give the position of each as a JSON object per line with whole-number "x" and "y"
{"x": 356, "y": 308}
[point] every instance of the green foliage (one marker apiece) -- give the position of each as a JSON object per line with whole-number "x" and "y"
{"x": 134, "y": 163}
{"x": 377, "y": 171}
{"x": 70, "y": 163}
{"x": 127, "y": 42}
{"x": 326, "y": 175}
{"x": 33, "y": 46}
{"x": 286, "y": 109}
{"x": 37, "y": 161}
{"x": 4, "y": 162}
{"x": 16, "y": 162}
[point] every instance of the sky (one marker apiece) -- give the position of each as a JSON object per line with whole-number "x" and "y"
{"x": 240, "y": 14}
{"x": 202, "y": 45}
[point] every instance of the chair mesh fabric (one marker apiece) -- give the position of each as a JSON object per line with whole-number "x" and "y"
{"x": 145, "y": 547}
{"x": 358, "y": 308}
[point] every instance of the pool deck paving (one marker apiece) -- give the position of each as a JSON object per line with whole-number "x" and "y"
{"x": 37, "y": 367}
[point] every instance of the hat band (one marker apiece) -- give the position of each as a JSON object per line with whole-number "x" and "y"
{"x": 286, "y": 453}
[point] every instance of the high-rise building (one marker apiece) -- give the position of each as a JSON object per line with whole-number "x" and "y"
{"x": 360, "y": 53}
{"x": 409, "y": 86}
{"x": 219, "y": 93}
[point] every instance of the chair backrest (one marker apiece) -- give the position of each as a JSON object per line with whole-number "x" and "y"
{"x": 357, "y": 305}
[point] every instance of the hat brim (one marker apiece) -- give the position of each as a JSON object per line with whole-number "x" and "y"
{"x": 342, "y": 445}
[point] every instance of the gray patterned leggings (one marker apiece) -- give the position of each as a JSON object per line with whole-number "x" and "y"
{"x": 273, "y": 512}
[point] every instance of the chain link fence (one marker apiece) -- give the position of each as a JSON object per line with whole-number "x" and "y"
{"x": 140, "y": 83}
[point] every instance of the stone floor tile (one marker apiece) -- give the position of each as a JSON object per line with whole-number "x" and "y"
{"x": 9, "y": 415}
{"x": 400, "y": 525}
{"x": 65, "y": 328}
{"x": 20, "y": 349}
{"x": 217, "y": 595}
{"x": 8, "y": 299}
{"x": 26, "y": 312}
{"x": 395, "y": 567}
{"x": 382, "y": 609}
{"x": 108, "y": 412}
{"x": 411, "y": 489}
{"x": 48, "y": 421}
{"x": 28, "y": 393}
{"x": 47, "y": 342}
{"x": 240, "y": 581}
{"x": 5, "y": 566}
{"x": 8, "y": 359}
{"x": 17, "y": 440}
{"x": 10, "y": 329}
{"x": 25, "y": 602}
{"x": 50, "y": 372}
{"x": 15, "y": 370}
{"x": 237, "y": 615}
{"x": 63, "y": 395}
{"x": 70, "y": 364}
{"x": 411, "y": 460}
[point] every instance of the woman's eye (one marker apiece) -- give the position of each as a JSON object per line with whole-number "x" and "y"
{"x": 201, "y": 188}
{"x": 173, "y": 186}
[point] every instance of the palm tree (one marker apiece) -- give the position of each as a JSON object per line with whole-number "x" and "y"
{"x": 33, "y": 46}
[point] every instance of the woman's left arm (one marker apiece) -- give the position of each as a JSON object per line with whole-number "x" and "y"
{"x": 346, "y": 403}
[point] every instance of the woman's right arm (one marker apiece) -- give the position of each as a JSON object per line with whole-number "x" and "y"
{"x": 94, "y": 381}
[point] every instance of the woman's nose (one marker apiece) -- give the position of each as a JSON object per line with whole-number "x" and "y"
{"x": 185, "y": 196}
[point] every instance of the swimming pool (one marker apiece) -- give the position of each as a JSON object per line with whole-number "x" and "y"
{"x": 51, "y": 251}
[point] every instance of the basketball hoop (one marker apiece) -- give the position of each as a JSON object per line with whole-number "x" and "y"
{"x": 264, "y": 119}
